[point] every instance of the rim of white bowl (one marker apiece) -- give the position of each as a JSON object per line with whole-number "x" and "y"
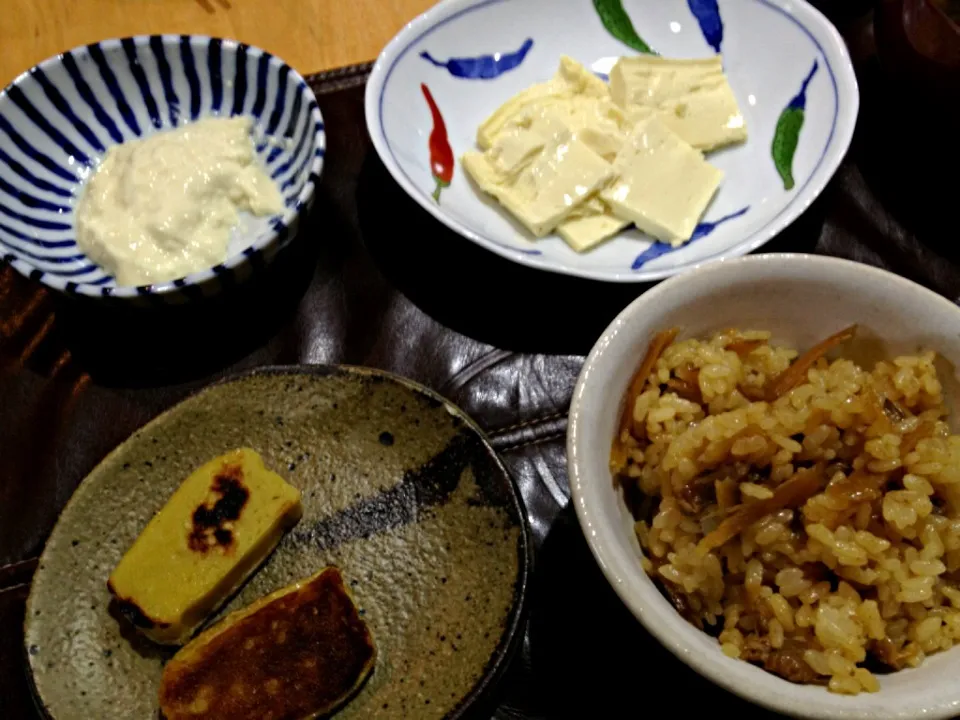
{"x": 653, "y": 611}
{"x": 288, "y": 220}
{"x": 846, "y": 89}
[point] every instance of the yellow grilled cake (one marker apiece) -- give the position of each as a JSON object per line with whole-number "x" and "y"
{"x": 297, "y": 654}
{"x": 215, "y": 530}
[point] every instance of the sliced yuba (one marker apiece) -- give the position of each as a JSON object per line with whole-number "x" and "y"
{"x": 589, "y": 225}
{"x": 692, "y": 97}
{"x": 649, "y": 124}
{"x": 561, "y": 175}
{"x": 663, "y": 185}
{"x": 571, "y": 80}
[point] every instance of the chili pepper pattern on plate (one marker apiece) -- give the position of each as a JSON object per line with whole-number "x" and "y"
{"x": 787, "y": 135}
{"x": 442, "y": 159}
{"x": 441, "y": 154}
{"x": 483, "y": 67}
{"x": 707, "y": 13}
{"x": 501, "y": 44}
{"x": 702, "y": 230}
{"x": 618, "y": 24}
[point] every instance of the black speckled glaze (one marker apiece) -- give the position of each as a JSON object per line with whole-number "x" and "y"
{"x": 400, "y": 490}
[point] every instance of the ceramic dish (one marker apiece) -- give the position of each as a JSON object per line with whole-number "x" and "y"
{"x": 800, "y": 299}
{"x": 59, "y": 118}
{"x": 399, "y": 489}
{"x": 777, "y": 54}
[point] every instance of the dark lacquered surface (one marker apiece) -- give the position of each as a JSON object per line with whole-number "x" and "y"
{"x": 374, "y": 281}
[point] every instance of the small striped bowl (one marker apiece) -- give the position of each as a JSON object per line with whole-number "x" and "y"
{"x": 58, "y": 120}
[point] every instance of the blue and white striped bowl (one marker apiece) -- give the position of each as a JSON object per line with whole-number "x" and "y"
{"x": 58, "y": 120}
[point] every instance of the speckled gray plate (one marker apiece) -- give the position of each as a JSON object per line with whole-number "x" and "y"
{"x": 400, "y": 490}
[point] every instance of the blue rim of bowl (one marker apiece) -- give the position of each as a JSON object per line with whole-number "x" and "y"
{"x": 281, "y": 227}
{"x": 777, "y": 224}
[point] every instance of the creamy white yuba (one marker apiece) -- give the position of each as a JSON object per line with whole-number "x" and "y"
{"x": 163, "y": 207}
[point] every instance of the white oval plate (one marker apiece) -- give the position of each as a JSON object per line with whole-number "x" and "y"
{"x": 769, "y": 48}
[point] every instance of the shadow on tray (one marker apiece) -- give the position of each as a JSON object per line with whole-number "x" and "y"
{"x": 490, "y": 298}
{"x": 910, "y": 177}
{"x": 138, "y": 347}
{"x": 591, "y": 657}
{"x": 911, "y": 51}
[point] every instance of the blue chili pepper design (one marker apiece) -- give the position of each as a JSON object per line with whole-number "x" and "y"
{"x": 787, "y": 135}
{"x": 711, "y": 25}
{"x": 702, "y": 230}
{"x": 651, "y": 253}
{"x": 799, "y": 101}
{"x": 485, "y": 67}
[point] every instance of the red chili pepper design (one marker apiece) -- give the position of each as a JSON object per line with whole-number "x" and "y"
{"x": 441, "y": 156}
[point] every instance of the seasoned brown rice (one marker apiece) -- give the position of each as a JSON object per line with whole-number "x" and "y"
{"x": 816, "y": 534}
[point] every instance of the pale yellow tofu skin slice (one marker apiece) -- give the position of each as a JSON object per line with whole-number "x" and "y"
{"x": 215, "y": 530}
{"x": 589, "y": 225}
{"x": 572, "y": 80}
{"x": 597, "y": 122}
{"x": 693, "y": 97}
{"x": 564, "y": 174}
{"x": 483, "y": 172}
{"x": 513, "y": 151}
{"x": 664, "y": 185}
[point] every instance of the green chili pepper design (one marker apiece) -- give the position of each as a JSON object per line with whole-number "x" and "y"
{"x": 785, "y": 144}
{"x": 617, "y": 23}
{"x": 787, "y": 134}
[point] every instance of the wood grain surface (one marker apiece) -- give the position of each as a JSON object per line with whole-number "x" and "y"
{"x": 311, "y": 35}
